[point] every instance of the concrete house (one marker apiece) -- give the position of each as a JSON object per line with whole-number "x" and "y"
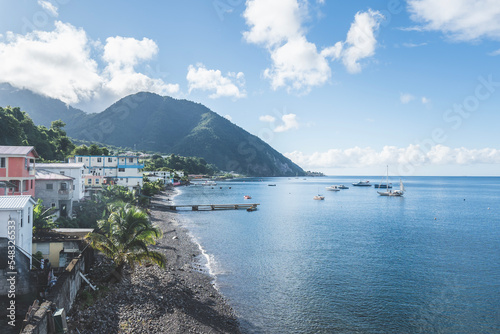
{"x": 16, "y": 225}
{"x": 17, "y": 170}
{"x": 74, "y": 170}
{"x": 121, "y": 170}
{"x": 56, "y": 191}
{"x": 61, "y": 245}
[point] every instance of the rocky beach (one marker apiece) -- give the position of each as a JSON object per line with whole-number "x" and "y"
{"x": 179, "y": 298}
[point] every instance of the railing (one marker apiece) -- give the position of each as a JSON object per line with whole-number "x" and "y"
{"x": 63, "y": 192}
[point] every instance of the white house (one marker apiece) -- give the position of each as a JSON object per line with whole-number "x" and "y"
{"x": 16, "y": 232}
{"x": 122, "y": 170}
{"x": 73, "y": 170}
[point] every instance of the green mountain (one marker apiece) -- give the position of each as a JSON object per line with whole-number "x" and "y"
{"x": 150, "y": 122}
{"x": 41, "y": 109}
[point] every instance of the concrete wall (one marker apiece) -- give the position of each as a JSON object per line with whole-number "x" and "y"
{"x": 22, "y": 282}
{"x": 24, "y": 234}
{"x": 63, "y": 294}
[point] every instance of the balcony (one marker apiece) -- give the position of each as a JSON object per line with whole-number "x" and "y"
{"x": 65, "y": 194}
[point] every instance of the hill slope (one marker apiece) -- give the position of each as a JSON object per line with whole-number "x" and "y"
{"x": 42, "y": 110}
{"x": 151, "y": 122}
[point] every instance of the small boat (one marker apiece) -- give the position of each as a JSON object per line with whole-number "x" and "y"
{"x": 319, "y": 197}
{"x": 362, "y": 184}
{"x": 209, "y": 183}
{"x": 342, "y": 187}
{"x": 272, "y": 185}
{"x": 247, "y": 197}
{"x": 253, "y": 208}
{"x": 395, "y": 193}
{"x": 333, "y": 188}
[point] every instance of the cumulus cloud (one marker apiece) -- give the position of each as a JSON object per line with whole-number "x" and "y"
{"x": 425, "y": 100}
{"x": 49, "y": 7}
{"x": 463, "y": 20}
{"x": 297, "y": 64}
{"x": 63, "y": 64}
{"x": 201, "y": 78}
{"x": 361, "y": 41}
{"x": 289, "y": 122}
{"x": 414, "y": 155}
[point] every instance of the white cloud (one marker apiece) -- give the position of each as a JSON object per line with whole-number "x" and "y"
{"x": 201, "y": 78}
{"x": 361, "y": 41}
{"x": 267, "y": 118}
{"x": 297, "y": 64}
{"x": 462, "y": 20}
{"x": 413, "y": 45}
{"x": 49, "y": 7}
{"x": 495, "y": 53}
{"x": 61, "y": 64}
{"x": 425, "y": 100}
{"x": 413, "y": 155}
{"x": 289, "y": 122}
{"x": 406, "y": 98}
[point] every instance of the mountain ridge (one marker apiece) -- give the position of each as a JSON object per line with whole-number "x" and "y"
{"x": 150, "y": 122}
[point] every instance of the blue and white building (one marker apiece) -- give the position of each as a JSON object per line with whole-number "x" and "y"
{"x": 119, "y": 169}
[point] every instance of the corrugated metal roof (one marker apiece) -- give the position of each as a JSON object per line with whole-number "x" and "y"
{"x": 17, "y": 150}
{"x": 48, "y": 175}
{"x": 14, "y": 202}
{"x": 61, "y": 165}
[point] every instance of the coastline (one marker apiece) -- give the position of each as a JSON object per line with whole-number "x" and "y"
{"x": 181, "y": 298}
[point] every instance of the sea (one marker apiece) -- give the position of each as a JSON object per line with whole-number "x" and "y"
{"x": 355, "y": 262}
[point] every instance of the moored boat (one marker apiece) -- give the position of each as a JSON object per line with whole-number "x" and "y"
{"x": 362, "y": 184}
{"x": 319, "y": 197}
{"x": 333, "y": 188}
{"x": 247, "y": 197}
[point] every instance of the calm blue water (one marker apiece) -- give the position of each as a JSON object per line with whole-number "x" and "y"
{"x": 356, "y": 262}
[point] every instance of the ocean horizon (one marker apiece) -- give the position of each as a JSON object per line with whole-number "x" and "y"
{"x": 356, "y": 261}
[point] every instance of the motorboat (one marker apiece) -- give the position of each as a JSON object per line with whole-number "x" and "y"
{"x": 362, "y": 184}
{"x": 342, "y": 187}
{"x": 247, "y": 197}
{"x": 333, "y": 188}
{"x": 319, "y": 197}
{"x": 383, "y": 186}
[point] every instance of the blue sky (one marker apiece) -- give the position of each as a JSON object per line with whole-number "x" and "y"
{"x": 343, "y": 87}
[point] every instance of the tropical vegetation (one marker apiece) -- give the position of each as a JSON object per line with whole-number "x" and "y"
{"x": 125, "y": 236}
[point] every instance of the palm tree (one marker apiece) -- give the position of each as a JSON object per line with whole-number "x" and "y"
{"x": 125, "y": 238}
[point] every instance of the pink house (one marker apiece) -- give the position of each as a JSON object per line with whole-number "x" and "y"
{"x": 17, "y": 170}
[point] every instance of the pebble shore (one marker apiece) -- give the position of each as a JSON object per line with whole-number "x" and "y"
{"x": 180, "y": 298}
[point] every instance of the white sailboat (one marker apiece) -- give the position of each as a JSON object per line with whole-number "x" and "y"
{"x": 389, "y": 192}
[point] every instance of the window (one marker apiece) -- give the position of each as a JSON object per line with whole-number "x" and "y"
{"x": 49, "y": 186}
{"x": 21, "y": 220}
{"x": 53, "y": 205}
{"x": 110, "y": 159}
{"x": 61, "y": 172}
{"x": 121, "y": 169}
{"x": 2, "y": 162}
{"x": 31, "y": 184}
{"x": 64, "y": 186}
{"x": 130, "y": 159}
{"x": 89, "y": 181}
{"x": 99, "y": 159}
{"x": 96, "y": 181}
{"x": 80, "y": 159}
{"x": 73, "y": 187}
{"x": 26, "y": 163}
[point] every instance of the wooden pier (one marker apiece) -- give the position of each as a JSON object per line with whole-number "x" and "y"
{"x": 211, "y": 207}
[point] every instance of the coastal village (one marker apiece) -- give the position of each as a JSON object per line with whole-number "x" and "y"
{"x": 53, "y": 263}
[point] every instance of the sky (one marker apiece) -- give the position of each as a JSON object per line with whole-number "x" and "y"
{"x": 340, "y": 87}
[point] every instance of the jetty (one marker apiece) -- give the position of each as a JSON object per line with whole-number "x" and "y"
{"x": 211, "y": 207}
